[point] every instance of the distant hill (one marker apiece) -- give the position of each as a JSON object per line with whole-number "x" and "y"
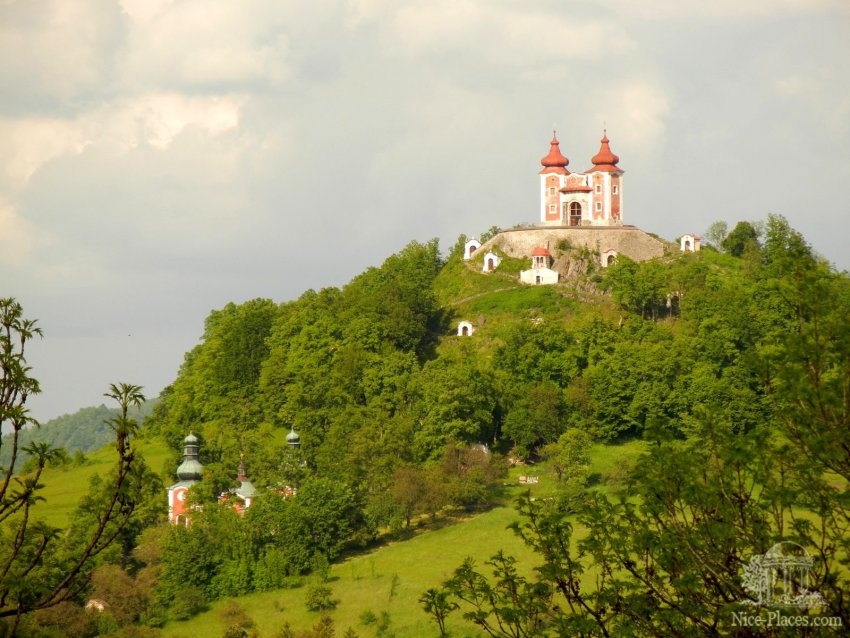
{"x": 85, "y": 430}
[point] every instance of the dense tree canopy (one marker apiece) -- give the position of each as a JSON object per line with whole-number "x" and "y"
{"x": 749, "y": 448}
{"x": 399, "y": 418}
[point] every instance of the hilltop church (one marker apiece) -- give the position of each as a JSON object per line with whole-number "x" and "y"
{"x": 579, "y": 210}
{"x": 592, "y": 198}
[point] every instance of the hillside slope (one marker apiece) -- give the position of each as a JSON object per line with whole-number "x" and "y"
{"x": 84, "y": 430}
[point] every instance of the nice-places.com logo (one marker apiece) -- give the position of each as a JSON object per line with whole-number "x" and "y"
{"x": 779, "y": 582}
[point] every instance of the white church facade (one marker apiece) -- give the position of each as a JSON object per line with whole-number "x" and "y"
{"x": 591, "y": 198}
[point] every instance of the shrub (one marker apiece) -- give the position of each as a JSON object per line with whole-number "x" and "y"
{"x": 233, "y": 614}
{"x": 319, "y": 598}
{"x": 188, "y": 602}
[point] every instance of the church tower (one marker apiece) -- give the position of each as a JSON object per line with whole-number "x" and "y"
{"x": 592, "y": 198}
{"x": 606, "y": 182}
{"x": 244, "y": 493}
{"x": 554, "y": 170}
{"x": 189, "y": 472}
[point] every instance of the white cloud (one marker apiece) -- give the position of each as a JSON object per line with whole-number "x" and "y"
{"x": 505, "y": 35}
{"x": 156, "y": 118}
{"x": 144, "y": 11}
{"x": 641, "y": 109}
{"x": 16, "y": 235}
{"x": 362, "y": 11}
{"x": 28, "y": 143}
{"x": 822, "y": 90}
{"x": 662, "y": 10}
{"x": 56, "y": 48}
{"x": 208, "y": 45}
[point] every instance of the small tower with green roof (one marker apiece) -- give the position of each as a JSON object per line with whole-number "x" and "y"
{"x": 292, "y": 439}
{"x": 189, "y": 472}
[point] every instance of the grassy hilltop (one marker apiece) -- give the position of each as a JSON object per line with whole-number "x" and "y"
{"x": 677, "y": 383}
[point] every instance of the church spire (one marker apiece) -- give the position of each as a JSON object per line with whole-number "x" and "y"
{"x": 605, "y": 160}
{"x": 292, "y": 439}
{"x": 190, "y": 469}
{"x": 555, "y": 162}
{"x": 243, "y": 476}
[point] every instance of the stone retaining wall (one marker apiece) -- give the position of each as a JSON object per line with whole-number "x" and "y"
{"x": 626, "y": 240}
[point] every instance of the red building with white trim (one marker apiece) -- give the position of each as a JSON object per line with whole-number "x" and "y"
{"x": 591, "y": 198}
{"x": 189, "y": 472}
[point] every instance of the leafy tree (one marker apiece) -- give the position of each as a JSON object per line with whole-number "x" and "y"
{"x": 784, "y": 248}
{"x": 436, "y": 603}
{"x": 59, "y": 621}
{"x": 235, "y": 631}
{"x": 716, "y": 233}
{"x": 39, "y": 569}
{"x": 569, "y": 457}
{"x": 187, "y": 564}
{"x": 397, "y": 300}
{"x": 630, "y": 387}
{"x": 218, "y": 380}
{"x": 118, "y": 589}
{"x": 327, "y": 512}
{"x": 319, "y": 598}
{"x": 234, "y": 615}
{"x": 468, "y": 473}
{"x": 666, "y": 560}
{"x": 324, "y": 628}
{"x": 641, "y": 288}
{"x": 410, "y": 487}
{"x": 743, "y": 236}
{"x": 489, "y": 234}
{"x": 543, "y": 353}
{"x": 536, "y": 419}
{"x": 457, "y": 404}
{"x": 511, "y": 606}
{"x": 188, "y": 601}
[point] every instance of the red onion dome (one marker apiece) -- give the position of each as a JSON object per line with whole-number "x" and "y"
{"x": 555, "y": 159}
{"x": 605, "y": 160}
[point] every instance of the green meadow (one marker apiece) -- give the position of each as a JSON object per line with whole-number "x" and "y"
{"x": 65, "y": 485}
{"x": 376, "y": 587}
{"x": 391, "y": 578}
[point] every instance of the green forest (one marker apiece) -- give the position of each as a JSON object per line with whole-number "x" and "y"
{"x": 725, "y": 373}
{"x": 83, "y": 431}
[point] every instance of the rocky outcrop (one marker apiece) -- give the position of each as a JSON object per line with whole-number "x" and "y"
{"x": 625, "y": 240}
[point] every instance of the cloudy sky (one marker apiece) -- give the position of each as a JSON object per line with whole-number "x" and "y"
{"x": 160, "y": 158}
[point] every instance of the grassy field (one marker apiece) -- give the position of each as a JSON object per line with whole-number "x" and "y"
{"x": 384, "y": 583}
{"x": 390, "y": 579}
{"x": 457, "y": 281}
{"x": 387, "y": 580}
{"x": 64, "y": 486}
